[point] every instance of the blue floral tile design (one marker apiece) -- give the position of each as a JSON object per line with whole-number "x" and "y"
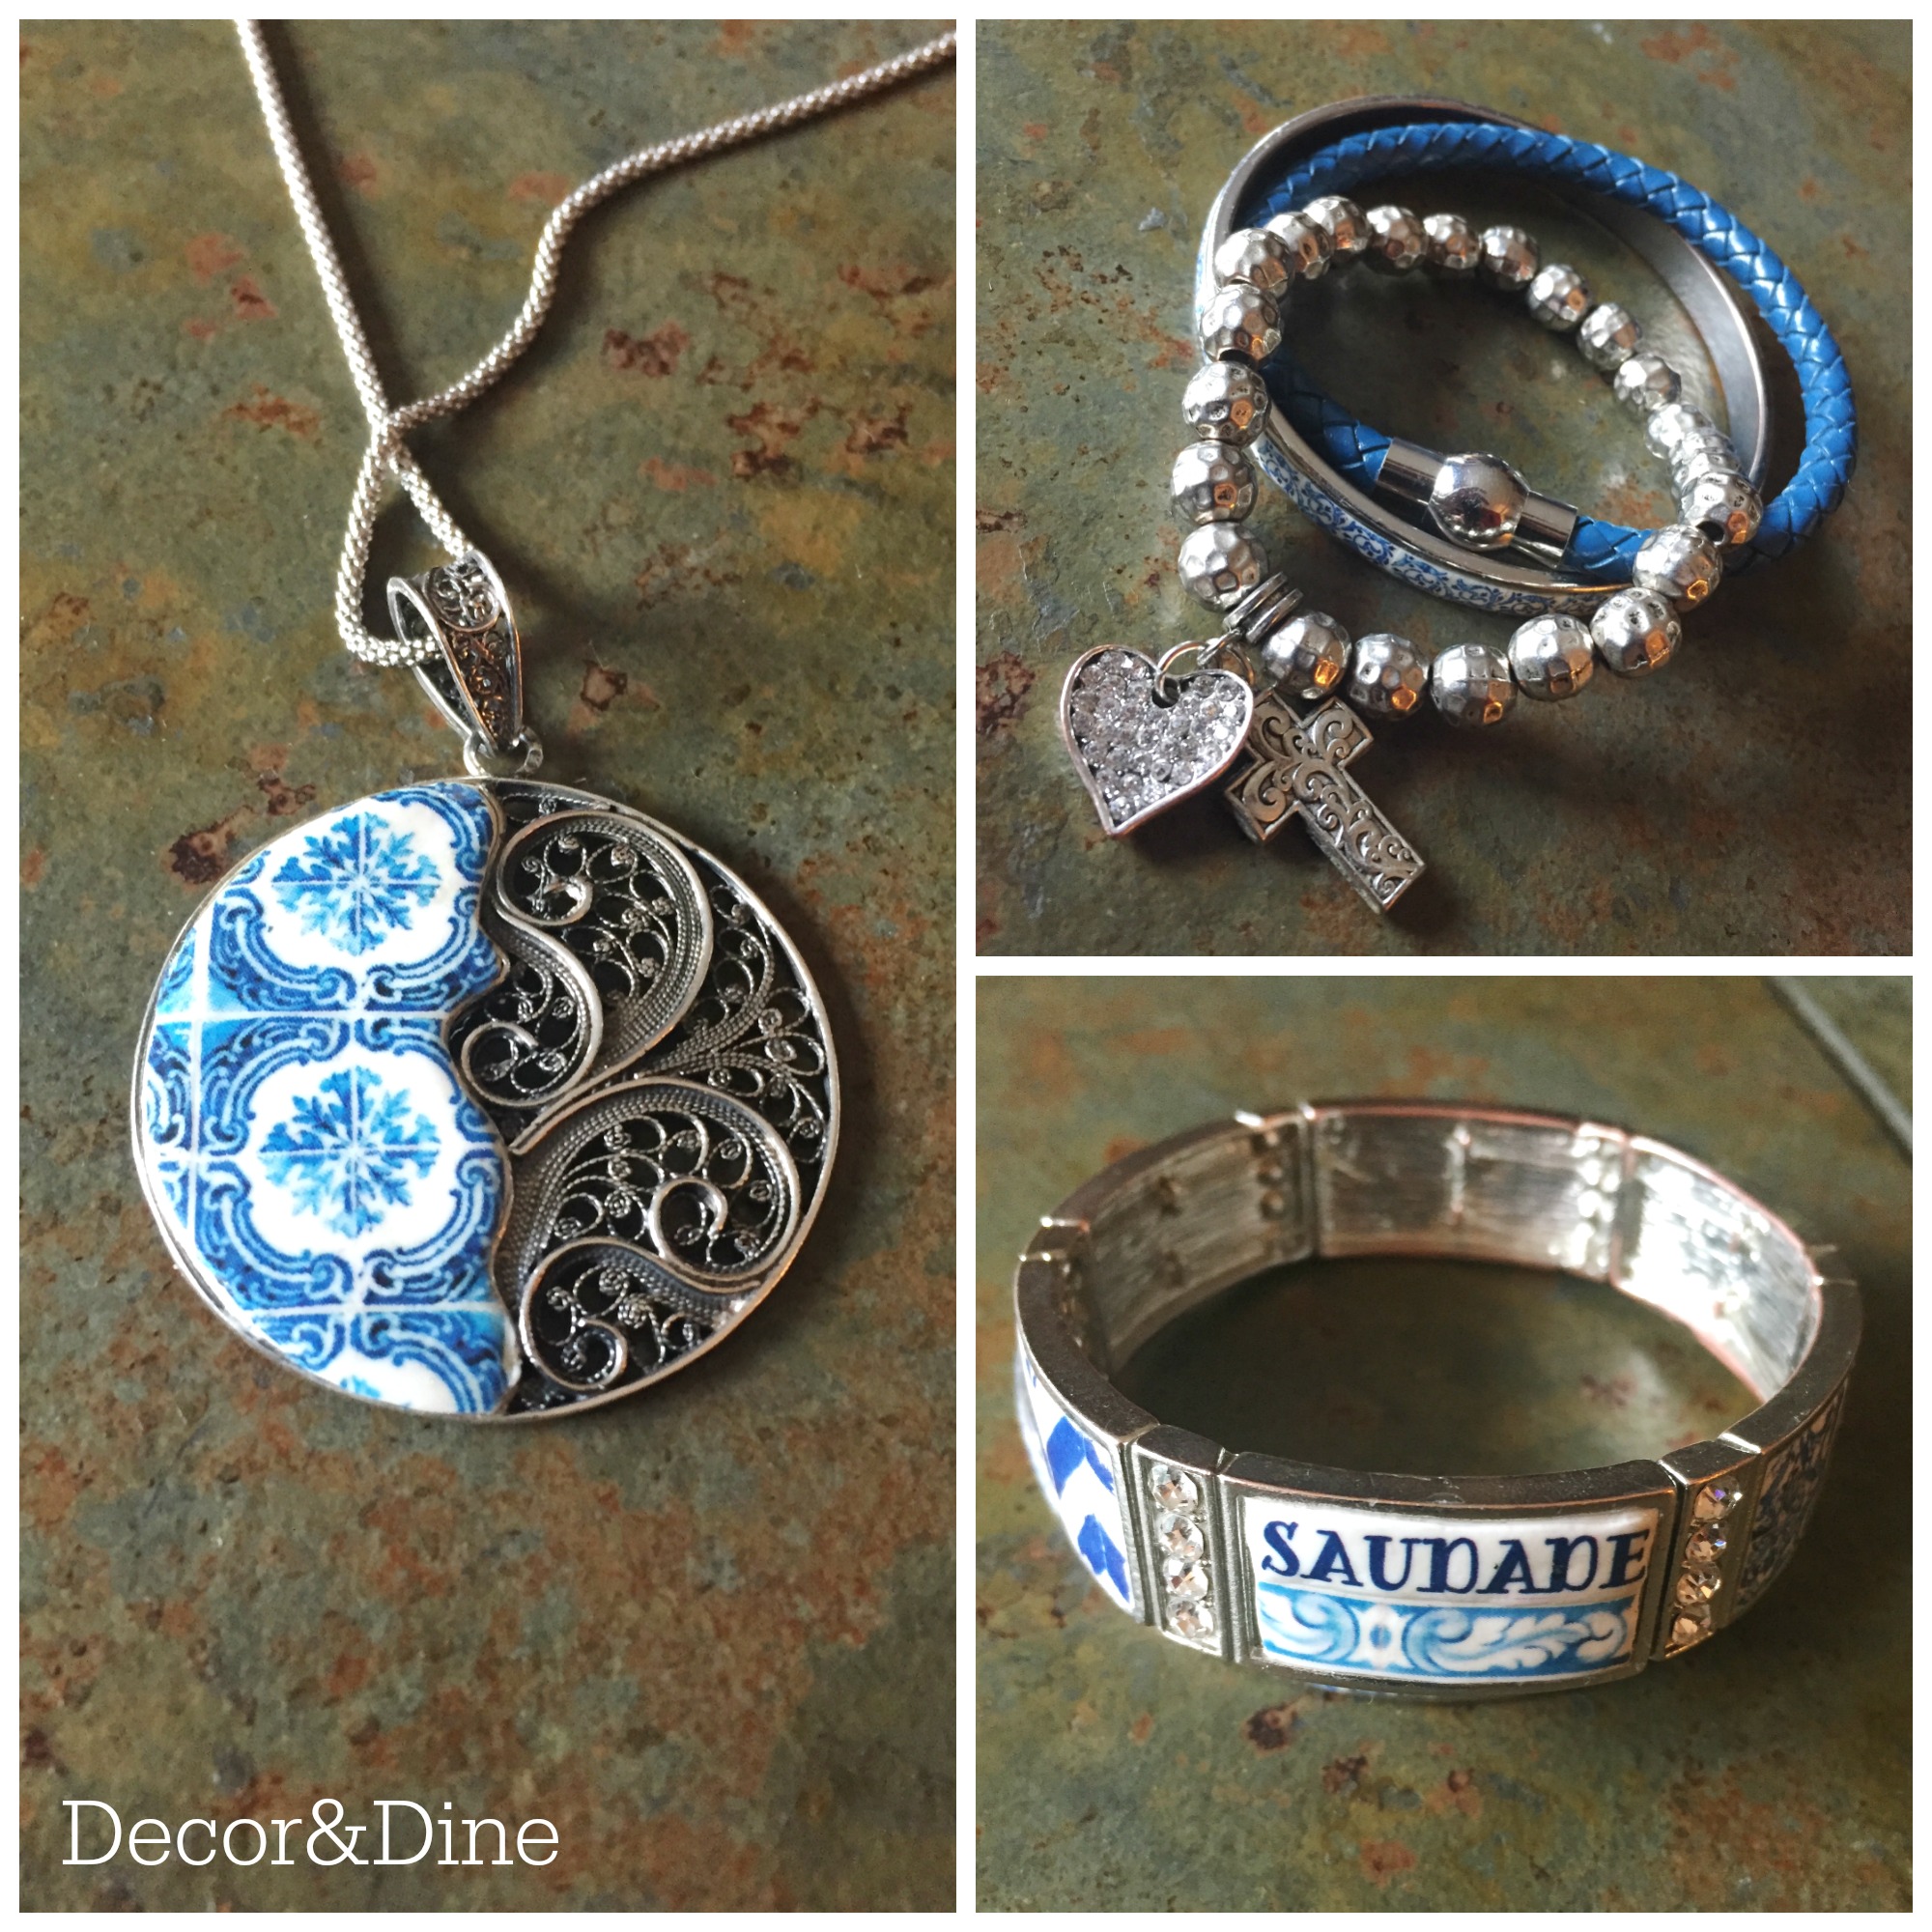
{"x": 351, "y": 1150}
{"x": 318, "y": 1166}
{"x": 1075, "y": 1474}
{"x": 357, "y": 881}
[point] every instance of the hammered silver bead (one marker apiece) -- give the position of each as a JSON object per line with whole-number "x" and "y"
{"x": 1724, "y": 506}
{"x": 1559, "y": 298}
{"x": 1220, "y": 563}
{"x": 1386, "y": 676}
{"x": 1305, "y": 244}
{"x": 1345, "y": 224}
{"x": 1396, "y": 240}
{"x": 1254, "y": 257}
{"x": 1551, "y": 658}
{"x": 1226, "y": 402}
{"x": 1471, "y": 684}
{"x": 1478, "y": 500}
{"x": 1665, "y": 427}
{"x": 1634, "y": 633}
{"x": 1213, "y": 483}
{"x": 1308, "y": 657}
{"x": 1679, "y": 564}
{"x": 1450, "y": 245}
{"x": 1703, "y": 456}
{"x": 1610, "y": 336}
{"x": 1510, "y": 259}
{"x": 1237, "y": 320}
{"x": 1644, "y": 382}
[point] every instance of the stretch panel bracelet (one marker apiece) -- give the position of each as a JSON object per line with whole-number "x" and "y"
{"x": 1433, "y": 1586}
{"x": 1830, "y": 418}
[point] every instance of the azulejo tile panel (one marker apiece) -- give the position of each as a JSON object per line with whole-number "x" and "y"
{"x": 1449, "y": 1600}
{"x": 314, "y": 1158}
{"x": 1076, "y": 1475}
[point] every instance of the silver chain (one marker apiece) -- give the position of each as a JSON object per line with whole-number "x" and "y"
{"x": 388, "y": 454}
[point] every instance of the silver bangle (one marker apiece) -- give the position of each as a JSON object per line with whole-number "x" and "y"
{"x": 1491, "y": 580}
{"x": 1439, "y": 1587}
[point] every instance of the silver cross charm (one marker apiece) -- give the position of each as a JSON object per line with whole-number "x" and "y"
{"x": 1295, "y": 765}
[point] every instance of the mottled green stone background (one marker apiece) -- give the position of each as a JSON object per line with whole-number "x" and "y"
{"x": 708, "y": 1633}
{"x": 1768, "y": 1769}
{"x": 1751, "y": 799}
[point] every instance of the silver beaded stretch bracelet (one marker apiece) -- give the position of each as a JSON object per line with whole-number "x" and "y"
{"x": 1146, "y": 734}
{"x": 1432, "y": 1586}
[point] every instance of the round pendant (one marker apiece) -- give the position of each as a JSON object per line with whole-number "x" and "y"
{"x": 484, "y": 1098}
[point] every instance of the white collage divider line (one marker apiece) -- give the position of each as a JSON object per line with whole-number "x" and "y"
{"x": 965, "y": 1272}
{"x": 1448, "y": 966}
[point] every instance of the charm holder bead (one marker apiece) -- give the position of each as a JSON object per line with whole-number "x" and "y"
{"x": 1240, "y": 321}
{"x": 1634, "y": 633}
{"x": 1305, "y": 242}
{"x": 1220, "y": 563}
{"x": 1551, "y": 658}
{"x": 1396, "y": 242}
{"x": 1508, "y": 259}
{"x": 1453, "y": 248}
{"x": 1471, "y": 684}
{"x": 1259, "y": 258}
{"x": 1434, "y": 1585}
{"x": 1559, "y": 298}
{"x": 1609, "y": 335}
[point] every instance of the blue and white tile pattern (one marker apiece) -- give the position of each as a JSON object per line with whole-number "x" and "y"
{"x": 1452, "y": 1600}
{"x": 1076, "y": 1475}
{"x": 303, "y": 1135}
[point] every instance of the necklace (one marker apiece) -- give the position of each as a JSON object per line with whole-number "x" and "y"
{"x": 484, "y": 1097}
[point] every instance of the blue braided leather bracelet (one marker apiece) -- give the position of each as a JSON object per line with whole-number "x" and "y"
{"x": 1598, "y": 550}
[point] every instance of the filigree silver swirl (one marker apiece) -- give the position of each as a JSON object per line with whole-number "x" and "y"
{"x": 529, "y": 1039}
{"x": 463, "y": 595}
{"x": 754, "y": 1032}
{"x": 655, "y": 1200}
{"x": 628, "y": 906}
{"x": 658, "y": 1063}
{"x": 597, "y": 1317}
{"x": 609, "y": 929}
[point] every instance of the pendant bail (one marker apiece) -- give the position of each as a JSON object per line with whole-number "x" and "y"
{"x": 475, "y": 672}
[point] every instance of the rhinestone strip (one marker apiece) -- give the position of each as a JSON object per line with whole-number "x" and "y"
{"x": 1178, "y": 1505}
{"x": 1712, "y": 1525}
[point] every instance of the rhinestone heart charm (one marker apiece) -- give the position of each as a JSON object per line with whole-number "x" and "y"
{"x": 1140, "y": 750}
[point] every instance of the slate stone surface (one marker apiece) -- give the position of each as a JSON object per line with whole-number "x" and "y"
{"x": 707, "y": 1632}
{"x": 1768, "y": 1769}
{"x": 1751, "y": 799}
